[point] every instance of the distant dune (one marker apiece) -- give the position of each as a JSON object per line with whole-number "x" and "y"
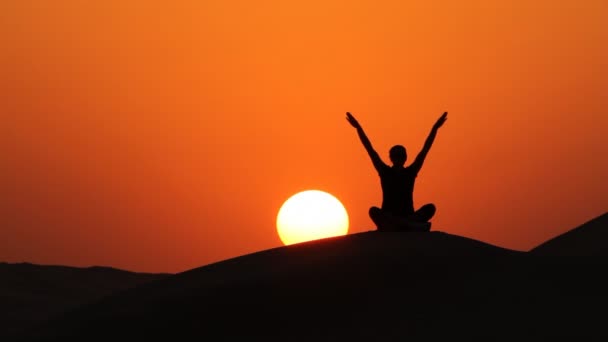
{"x": 590, "y": 239}
{"x": 368, "y": 286}
{"x": 32, "y": 293}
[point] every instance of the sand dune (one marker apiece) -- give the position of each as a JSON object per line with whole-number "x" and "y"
{"x": 366, "y": 286}
{"x": 590, "y": 239}
{"x": 32, "y": 293}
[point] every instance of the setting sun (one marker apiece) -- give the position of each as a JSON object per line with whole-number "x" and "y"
{"x": 311, "y": 215}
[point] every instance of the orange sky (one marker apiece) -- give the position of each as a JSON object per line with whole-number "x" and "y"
{"x": 165, "y": 135}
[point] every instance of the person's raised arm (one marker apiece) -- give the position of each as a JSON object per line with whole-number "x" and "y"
{"x": 417, "y": 164}
{"x": 376, "y": 160}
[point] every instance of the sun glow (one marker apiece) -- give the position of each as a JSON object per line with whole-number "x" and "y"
{"x": 311, "y": 215}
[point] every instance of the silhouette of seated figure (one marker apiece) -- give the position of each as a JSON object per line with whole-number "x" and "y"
{"x": 397, "y": 212}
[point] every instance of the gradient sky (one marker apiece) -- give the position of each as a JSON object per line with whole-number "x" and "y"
{"x": 164, "y": 135}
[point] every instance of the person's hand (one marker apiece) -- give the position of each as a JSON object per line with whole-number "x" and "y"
{"x": 441, "y": 120}
{"x": 351, "y": 119}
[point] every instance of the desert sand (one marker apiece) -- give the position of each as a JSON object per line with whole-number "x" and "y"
{"x": 365, "y": 286}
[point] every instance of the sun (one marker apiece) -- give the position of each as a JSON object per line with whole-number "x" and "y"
{"x": 311, "y": 215}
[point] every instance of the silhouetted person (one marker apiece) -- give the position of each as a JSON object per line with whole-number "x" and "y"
{"x": 398, "y": 181}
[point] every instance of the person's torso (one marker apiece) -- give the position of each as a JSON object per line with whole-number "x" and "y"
{"x": 397, "y": 190}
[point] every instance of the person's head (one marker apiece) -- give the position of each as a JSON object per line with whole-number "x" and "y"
{"x": 398, "y": 155}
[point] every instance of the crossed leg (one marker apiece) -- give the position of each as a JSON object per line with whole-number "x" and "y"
{"x": 424, "y": 213}
{"x": 387, "y": 222}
